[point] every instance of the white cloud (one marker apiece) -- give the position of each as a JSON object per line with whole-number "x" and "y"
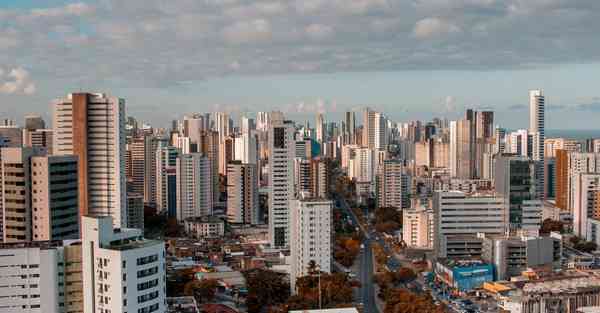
{"x": 433, "y": 27}
{"x": 72, "y": 9}
{"x": 16, "y": 81}
{"x": 245, "y": 32}
{"x": 319, "y": 31}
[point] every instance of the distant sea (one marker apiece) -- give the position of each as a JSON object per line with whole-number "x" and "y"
{"x": 577, "y": 134}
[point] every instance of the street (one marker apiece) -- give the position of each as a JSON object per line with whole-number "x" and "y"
{"x": 367, "y": 290}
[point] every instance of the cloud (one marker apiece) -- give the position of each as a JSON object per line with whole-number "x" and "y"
{"x": 16, "y": 81}
{"x": 517, "y": 107}
{"x": 319, "y": 31}
{"x": 150, "y": 43}
{"x": 433, "y": 27}
{"x": 246, "y": 32}
{"x": 319, "y": 106}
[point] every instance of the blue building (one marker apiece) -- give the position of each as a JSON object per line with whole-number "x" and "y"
{"x": 463, "y": 275}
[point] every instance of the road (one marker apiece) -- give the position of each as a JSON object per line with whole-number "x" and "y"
{"x": 367, "y": 290}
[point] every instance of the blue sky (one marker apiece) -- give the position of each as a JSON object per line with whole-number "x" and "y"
{"x": 409, "y": 59}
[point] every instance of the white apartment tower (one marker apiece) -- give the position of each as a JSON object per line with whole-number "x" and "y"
{"x": 122, "y": 271}
{"x": 91, "y": 126}
{"x": 41, "y": 277}
{"x": 311, "y": 236}
{"x": 194, "y": 186}
{"x": 281, "y": 180}
{"x": 586, "y": 201}
{"x": 166, "y": 180}
{"x": 536, "y": 127}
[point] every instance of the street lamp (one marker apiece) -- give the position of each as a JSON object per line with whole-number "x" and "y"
{"x": 318, "y": 269}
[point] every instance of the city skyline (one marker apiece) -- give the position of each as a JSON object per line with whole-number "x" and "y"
{"x": 410, "y": 59}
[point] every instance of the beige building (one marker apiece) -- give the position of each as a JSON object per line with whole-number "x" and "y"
{"x": 417, "y": 228}
{"x": 242, "y": 193}
{"x": 39, "y": 195}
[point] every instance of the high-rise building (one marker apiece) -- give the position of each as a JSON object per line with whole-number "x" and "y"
{"x": 586, "y": 201}
{"x": 320, "y": 177}
{"x": 209, "y": 145}
{"x": 368, "y": 135}
{"x": 554, "y": 144}
{"x": 54, "y": 195}
{"x": 457, "y": 214}
{"x": 536, "y": 125}
{"x": 381, "y": 132}
{"x": 246, "y": 148}
{"x": 320, "y": 128}
{"x": 193, "y": 126}
{"x": 166, "y": 180}
{"x": 122, "y": 271}
{"x": 514, "y": 180}
{"x": 461, "y": 149}
{"x": 41, "y": 138}
{"x": 91, "y": 126}
{"x": 393, "y": 187}
{"x": 350, "y": 121}
{"x": 137, "y": 165}
{"x": 568, "y": 166}
{"x": 15, "y": 198}
{"x": 281, "y": 180}
{"x": 194, "y": 186}
{"x": 34, "y": 121}
{"x": 242, "y": 193}
{"x": 135, "y": 210}
{"x": 301, "y": 176}
{"x": 310, "y": 236}
{"x": 150, "y": 148}
{"x": 41, "y": 277}
{"x": 11, "y": 135}
{"x": 417, "y": 228}
{"x": 38, "y": 198}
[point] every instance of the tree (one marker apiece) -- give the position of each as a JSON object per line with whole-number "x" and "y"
{"x": 387, "y": 219}
{"x": 336, "y": 291}
{"x": 400, "y": 300}
{"x": 172, "y": 228}
{"x": 202, "y": 290}
{"x": 265, "y": 289}
{"x": 405, "y": 275}
{"x": 586, "y": 246}
{"x": 550, "y": 225}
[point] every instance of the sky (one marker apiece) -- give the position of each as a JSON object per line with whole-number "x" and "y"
{"x": 412, "y": 59}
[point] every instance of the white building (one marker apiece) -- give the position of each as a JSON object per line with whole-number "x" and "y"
{"x": 41, "y": 277}
{"x": 92, "y": 127}
{"x": 281, "y": 180}
{"x": 393, "y": 187}
{"x": 122, "y": 271}
{"x": 320, "y": 128}
{"x": 460, "y": 214}
{"x": 587, "y": 201}
{"x": 537, "y": 103}
{"x": 310, "y": 236}
{"x": 417, "y": 228}
{"x": 194, "y": 186}
{"x": 246, "y": 148}
{"x": 580, "y": 163}
{"x": 205, "y": 227}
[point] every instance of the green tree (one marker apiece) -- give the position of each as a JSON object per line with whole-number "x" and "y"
{"x": 202, "y": 290}
{"x": 265, "y": 289}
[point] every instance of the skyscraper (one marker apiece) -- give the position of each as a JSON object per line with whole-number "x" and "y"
{"x": 242, "y": 193}
{"x": 350, "y": 121}
{"x": 166, "y": 180}
{"x": 310, "y": 236}
{"x": 514, "y": 180}
{"x": 368, "y": 132}
{"x": 91, "y": 126}
{"x": 281, "y": 180}
{"x": 536, "y": 125}
{"x": 393, "y": 187}
{"x": 320, "y": 128}
{"x": 194, "y": 186}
